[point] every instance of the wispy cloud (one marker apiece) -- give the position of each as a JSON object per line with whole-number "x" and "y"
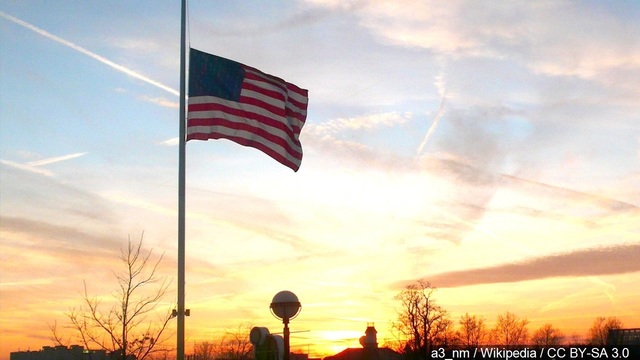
{"x": 538, "y": 35}
{"x": 170, "y": 142}
{"x": 575, "y": 196}
{"x": 372, "y": 121}
{"x": 24, "y": 190}
{"x": 61, "y": 240}
{"x": 91, "y": 54}
{"x": 586, "y": 262}
{"x": 272, "y": 225}
{"x": 334, "y": 137}
{"x": 161, "y": 101}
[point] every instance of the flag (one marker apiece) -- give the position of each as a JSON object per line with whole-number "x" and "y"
{"x": 229, "y": 100}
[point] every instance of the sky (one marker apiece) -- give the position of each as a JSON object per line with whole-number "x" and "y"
{"x": 491, "y": 148}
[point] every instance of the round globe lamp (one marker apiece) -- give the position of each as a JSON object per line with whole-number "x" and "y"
{"x": 285, "y": 306}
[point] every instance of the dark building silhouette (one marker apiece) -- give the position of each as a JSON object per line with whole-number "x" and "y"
{"x": 295, "y": 356}
{"x": 621, "y": 337}
{"x": 369, "y": 350}
{"x": 61, "y": 352}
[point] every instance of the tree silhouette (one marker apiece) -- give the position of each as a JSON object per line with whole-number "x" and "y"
{"x": 472, "y": 330}
{"x": 124, "y": 327}
{"x": 204, "y": 350}
{"x": 547, "y": 335}
{"x": 600, "y": 329}
{"x": 233, "y": 345}
{"x": 510, "y": 330}
{"x": 421, "y": 321}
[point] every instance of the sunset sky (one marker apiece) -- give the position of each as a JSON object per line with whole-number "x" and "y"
{"x": 491, "y": 148}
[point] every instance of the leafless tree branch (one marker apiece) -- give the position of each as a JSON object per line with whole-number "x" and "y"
{"x": 125, "y": 327}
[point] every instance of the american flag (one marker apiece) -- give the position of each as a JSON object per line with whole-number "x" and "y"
{"x": 229, "y": 100}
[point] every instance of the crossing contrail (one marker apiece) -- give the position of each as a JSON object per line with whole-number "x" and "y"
{"x": 90, "y": 54}
{"x": 442, "y": 90}
{"x": 34, "y": 166}
{"x": 433, "y": 127}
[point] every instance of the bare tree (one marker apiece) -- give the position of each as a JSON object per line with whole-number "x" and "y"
{"x": 510, "y": 330}
{"x": 472, "y": 331}
{"x": 204, "y": 350}
{"x": 233, "y": 345}
{"x": 547, "y": 335}
{"x": 443, "y": 333}
{"x": 421, "y": 321}
{"x": 600, "y": 330}
{"x": 394, "y": 343}
{"x": 124, "y": 327}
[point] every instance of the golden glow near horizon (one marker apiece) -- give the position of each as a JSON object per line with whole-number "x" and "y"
{"x": 494, "y": 152}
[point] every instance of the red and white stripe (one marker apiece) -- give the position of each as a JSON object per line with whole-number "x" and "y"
{"x": 268, "y": 116}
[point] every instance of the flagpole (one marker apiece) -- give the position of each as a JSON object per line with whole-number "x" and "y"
{"x": 181, "y": 190}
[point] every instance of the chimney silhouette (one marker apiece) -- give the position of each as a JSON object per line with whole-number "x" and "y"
{"x": 370, "y": 336}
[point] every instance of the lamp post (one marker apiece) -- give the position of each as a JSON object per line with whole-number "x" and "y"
{"x": 285, "y": 306}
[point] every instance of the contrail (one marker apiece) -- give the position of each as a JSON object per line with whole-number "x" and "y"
{"x": 433, "y": 126}
{"x": 33, "y": 166}
{"x": 55, "y": 159}
{"x": 26, "y": 167}
{"x": 90, "y": 54}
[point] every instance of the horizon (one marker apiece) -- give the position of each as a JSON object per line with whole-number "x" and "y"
{"x": 566, "y": 340}
{"x": 492, "y": 150}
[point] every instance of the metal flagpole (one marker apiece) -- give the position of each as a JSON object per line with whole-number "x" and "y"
{"x": 181, "y": 190}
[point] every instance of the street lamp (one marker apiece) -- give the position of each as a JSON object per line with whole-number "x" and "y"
{"x": 285, "y": 306}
